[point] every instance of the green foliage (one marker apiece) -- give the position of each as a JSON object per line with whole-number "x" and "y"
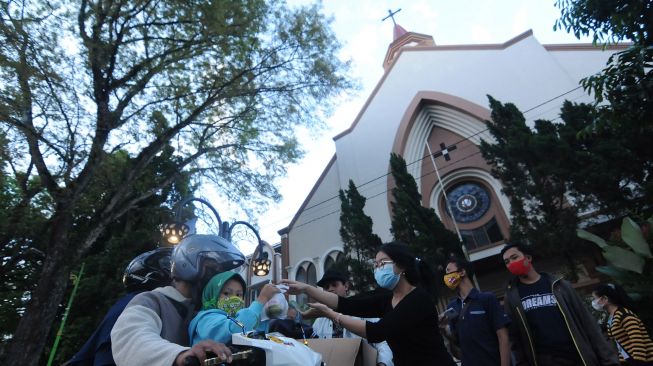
{"x": 134, "y": 233}
{"x": 537, "y": 167}
{"x": 418, "y": 226}
{"x": 623, "y": 90}
{"x": 599, "y": 158}
{"x": 20, "y": 251}
{"x": 105, "y": 105}
{"x": 607, "y": 21}
{"x": 360, "y": 243}
{"x": 629, "y": 261}
{"x": 628, "y": 254}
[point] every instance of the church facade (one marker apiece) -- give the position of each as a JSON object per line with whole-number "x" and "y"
{"x": 432, "y": 101}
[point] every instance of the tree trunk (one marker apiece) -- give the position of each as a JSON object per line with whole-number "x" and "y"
{"x": 29, "y": 341}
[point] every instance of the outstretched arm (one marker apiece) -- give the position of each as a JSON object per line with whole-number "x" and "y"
{"x": 354, "y": 325}
{"x": 326, "y": 298}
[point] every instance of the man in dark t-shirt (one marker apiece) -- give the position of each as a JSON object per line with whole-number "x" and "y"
{"x": 545, "y": 320}
{"x": 550, "y": 324}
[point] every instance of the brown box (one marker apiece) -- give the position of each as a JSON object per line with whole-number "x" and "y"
{"x": 344, "y": 351}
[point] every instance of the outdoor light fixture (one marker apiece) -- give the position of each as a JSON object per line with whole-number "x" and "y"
{"x": 175, "y": 231}
{"x": 261, "y": 265}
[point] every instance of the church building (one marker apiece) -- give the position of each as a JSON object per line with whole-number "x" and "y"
{"x": 432, "y": 101}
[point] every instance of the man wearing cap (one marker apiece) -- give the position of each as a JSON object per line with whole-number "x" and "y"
{"x": 337, "y": 283}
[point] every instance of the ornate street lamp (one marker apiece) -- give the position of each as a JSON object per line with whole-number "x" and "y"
{"x": 259, "y": 263}
{"x": 174, "y": 231}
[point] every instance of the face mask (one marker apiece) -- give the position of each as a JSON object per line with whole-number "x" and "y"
{"x": 230, "y": 305}
{"x": 386, "y": 277}
{"x": 452, "y": 280}
{"x": 520, "y": 267}
{"x": 596, "y": 305}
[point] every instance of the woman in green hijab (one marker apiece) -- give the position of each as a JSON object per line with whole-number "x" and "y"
{"x": 223, "y": 308}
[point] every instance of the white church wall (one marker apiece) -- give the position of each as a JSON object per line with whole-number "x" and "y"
{"x": 317, "y": 227}
{"x": 580, "y": 63}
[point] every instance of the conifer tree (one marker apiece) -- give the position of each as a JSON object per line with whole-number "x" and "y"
{"x": 537, "y": 168}
{"x": 360, "y": 243}
{"x": 416, "y": 225}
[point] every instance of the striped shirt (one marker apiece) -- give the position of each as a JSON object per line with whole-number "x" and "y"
{"x": 629, "y": 332}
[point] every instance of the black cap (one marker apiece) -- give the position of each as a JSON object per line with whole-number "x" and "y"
{"x": 330, "y": 276}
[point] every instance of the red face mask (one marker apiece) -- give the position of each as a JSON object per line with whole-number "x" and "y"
{"x": 520, "y": 267}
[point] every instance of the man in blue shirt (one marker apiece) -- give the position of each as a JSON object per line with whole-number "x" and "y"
{"x": 477, "y": 322}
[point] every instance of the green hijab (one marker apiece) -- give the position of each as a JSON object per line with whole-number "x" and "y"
{"x": 213, "y": 289}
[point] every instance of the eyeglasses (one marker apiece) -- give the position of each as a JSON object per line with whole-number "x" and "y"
{"x": 381, "y": 263}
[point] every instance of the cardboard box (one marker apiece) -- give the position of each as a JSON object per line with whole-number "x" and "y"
{"x": 344, "y": 351}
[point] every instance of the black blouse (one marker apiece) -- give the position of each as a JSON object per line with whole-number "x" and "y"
{"x": 410, "y": 328}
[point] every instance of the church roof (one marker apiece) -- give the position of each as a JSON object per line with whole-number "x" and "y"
{"x": 398, "y": 31}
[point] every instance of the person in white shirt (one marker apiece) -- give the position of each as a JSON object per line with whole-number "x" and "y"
{"x": 337, "y": 283}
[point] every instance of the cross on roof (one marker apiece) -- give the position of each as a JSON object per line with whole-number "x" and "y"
{"x": 444, "y": 151}
{"x": 391, "y": 15}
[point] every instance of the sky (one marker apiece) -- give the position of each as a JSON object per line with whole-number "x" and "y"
{"x": 365, "y": 39}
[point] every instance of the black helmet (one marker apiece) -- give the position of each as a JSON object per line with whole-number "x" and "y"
{"x": 199, "y": 257}
{"x": 148, "y": 270}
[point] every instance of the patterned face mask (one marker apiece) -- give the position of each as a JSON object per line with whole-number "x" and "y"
{"x": 452, "y": 280}
{"x": 230, "y": 305}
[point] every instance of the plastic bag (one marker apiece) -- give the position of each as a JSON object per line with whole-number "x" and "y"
{"x": 275, "y": 308}
{"x": 280, "y": 350}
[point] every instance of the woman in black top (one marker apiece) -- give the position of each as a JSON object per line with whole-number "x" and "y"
{"x": 408, "y": 315}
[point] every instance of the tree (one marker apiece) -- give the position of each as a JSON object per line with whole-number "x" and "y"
{"x": 134, "y": 233}
{"x": 535, "y": 167}
{"x": 415, "y": 225}
{"x": 20, "y": 258}
{"x": 360, "y": 243}
{"x": 623, "y": 90}
{"x": 221, "y": 85}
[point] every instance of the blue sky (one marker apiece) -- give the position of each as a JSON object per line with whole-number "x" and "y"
{"x": 365, "y": 39}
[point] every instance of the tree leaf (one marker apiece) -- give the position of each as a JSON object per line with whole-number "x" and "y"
{"x": 625, "y": 259}
{"x": 583, "y": 234}
{"x": 632, "y": 235}
{"x": 614, "y": 272}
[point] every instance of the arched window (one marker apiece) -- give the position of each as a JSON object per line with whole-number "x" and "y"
{"x": 306, "y": 273}
{"x": 332, "y": 259}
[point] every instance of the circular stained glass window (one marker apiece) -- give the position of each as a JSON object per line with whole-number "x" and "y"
{"x": 468, "y": 202}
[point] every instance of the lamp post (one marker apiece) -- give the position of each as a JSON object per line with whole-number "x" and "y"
{"x": 259, "y": 263}
{"x": 174, "y": 231}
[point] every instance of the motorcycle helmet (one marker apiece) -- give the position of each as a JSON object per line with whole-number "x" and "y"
{"x": 199, "y": 257}
{"x": 148, "y": 270}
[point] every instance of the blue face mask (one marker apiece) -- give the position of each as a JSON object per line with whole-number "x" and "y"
{"x": 386, "y": 277}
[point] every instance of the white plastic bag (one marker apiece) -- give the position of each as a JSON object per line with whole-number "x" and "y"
{"x": 275, "y": 308}
{"x": 280, "y": 350}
